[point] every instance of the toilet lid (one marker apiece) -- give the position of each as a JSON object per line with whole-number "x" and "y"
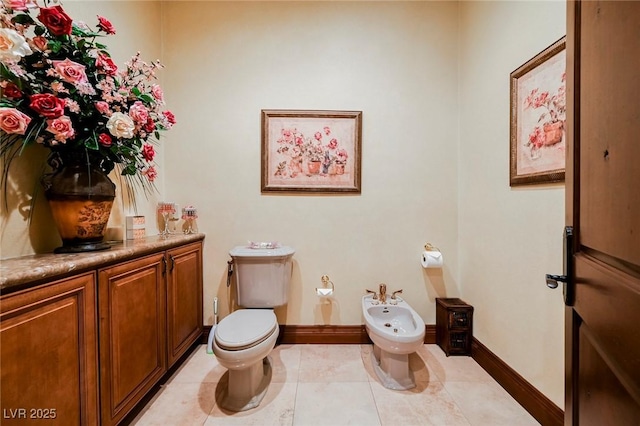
{"x": 245, "y": 328}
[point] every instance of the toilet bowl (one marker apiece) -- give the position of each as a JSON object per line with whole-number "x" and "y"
{"x": 243, "y": 340}
{"x": 396, "y": 331}
{"x": 242, "y": 343}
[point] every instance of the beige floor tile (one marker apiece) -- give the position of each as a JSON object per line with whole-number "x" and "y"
{"x": 335, "y": 385}
{"x": 199, "y": 367}
{"x": 454, "y": 368}
{"x": 185, "y": 404}
{"x": 418, "y": 364}
{"x": 285, "y": 362}
{"x": 331, "y": 363}
{"x": 487, "y": 403}
{"x": 427, "y": 404}
{"x": 335, "y": 404}
{"x": 275, "y": 409}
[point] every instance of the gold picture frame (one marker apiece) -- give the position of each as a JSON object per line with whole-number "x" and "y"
{"x": 311, "y": 151}
{"x": 538, "y": 115}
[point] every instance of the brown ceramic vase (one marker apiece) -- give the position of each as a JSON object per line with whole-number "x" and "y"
{"x": 80, "y": 196}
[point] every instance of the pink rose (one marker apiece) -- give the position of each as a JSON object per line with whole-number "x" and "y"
{"x": 150, "y": 173}
{"x": 70, "y": 71}
{"x": 106, "y": 64}
{"x": 61, "y": 127}
{"x": 102, "y": 107}
{"x": 13, "y": 121}
{"x": 138, "y": 112}
{"x": 105, "y": 25}
{"x": 104, "y": 139}
{"x": 150, "y": 125}
{"x": 157, "y": 93}
{"x": 47, "y": 105}
{"x": 20, "y": 5}
{"x": 148, "y": 152}
{"x": 40, "y": 43}
{"x": 333, "y": 144}
{"x": 56, "y": 20}
{"x": 318, "y": 136}
{"x": 327, "y": 130}
{"x": 171, "y": 119}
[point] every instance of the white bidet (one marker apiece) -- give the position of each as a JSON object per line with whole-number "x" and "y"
{"x": 396, "y": 331}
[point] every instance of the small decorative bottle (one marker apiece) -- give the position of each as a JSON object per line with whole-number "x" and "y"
{"x": 189, "y": 215}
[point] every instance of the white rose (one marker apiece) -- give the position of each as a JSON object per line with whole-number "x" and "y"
{"x": 121, "y": 125}
{"x": 12, "y": 45}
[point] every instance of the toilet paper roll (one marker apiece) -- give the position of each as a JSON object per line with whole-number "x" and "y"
{"x": 432, "y": 259}
{"x": 324, "y": 292}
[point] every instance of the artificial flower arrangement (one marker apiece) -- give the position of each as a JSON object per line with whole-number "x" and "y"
{"x": 61, "y": 89}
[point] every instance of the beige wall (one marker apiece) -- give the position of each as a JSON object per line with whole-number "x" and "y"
{"x": 509, "y": 237}
{"x": 432, "y": 81}
{"x": 137, "y": 29}
{"x": 395, "y": 62}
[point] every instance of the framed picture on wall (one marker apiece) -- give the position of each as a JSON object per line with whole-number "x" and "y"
{"x": 538, "y": 116}
{"x": 311, "y": 151}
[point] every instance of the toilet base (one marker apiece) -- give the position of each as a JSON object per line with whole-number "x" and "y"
{"x": 392, "y": 369}
{"x": 241, "y": 390}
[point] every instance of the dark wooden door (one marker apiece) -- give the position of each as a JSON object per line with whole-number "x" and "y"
{"x": 603, "y": 206}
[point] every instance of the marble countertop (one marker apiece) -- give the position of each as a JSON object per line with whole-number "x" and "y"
{"x": 17, "y": 273}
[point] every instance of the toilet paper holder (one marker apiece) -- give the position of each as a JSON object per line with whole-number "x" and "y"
{"x": 327, "y": 287}
{"x": 431, "y": 257}
{"x": 430, "y": 247}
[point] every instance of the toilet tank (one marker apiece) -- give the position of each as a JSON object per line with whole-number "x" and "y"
{"x": 262, "y": 276}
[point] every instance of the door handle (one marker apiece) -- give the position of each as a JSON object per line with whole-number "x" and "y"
{"x": 567, "y": 279}
{"x": 552, "y": 280}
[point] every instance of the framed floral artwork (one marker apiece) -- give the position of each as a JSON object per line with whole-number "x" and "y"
{"x": 538, "y": 115}
{"x": 311, "y": 151}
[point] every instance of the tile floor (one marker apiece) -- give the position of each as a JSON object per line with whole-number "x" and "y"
{"x": 336, "y": 385}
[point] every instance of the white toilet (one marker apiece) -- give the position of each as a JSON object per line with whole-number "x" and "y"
{"x": 243, "y": 339}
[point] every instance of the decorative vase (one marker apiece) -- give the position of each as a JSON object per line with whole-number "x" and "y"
{"x": 80, "y": 195}
{"x": 553, "y": 132}
{"x": 339, "y": 168}
{"x": 314, "y": 167}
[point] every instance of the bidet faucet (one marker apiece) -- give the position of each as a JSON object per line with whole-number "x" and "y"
{"x": 375, "y": 295}
{"x": 383, "y": 293}
{"x": 393, "y": 295}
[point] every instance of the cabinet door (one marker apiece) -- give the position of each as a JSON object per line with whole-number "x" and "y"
{"x": 184, "y": 299}
{"x": 131, "y": 303}
{"x": 48, "y": 354}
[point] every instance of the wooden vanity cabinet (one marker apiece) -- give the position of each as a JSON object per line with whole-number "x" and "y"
{"x": 150, "y": 314}
{"x": 85, "y": 349}
{"x": 132, "y": 310}
{"x": 48, "y": 354}
{"x": 184, "y": 299}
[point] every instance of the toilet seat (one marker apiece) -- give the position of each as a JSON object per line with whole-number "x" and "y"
{"x": 245, "y": 328}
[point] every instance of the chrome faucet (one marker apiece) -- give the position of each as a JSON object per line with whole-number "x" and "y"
{"x": 383, "y": 293}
